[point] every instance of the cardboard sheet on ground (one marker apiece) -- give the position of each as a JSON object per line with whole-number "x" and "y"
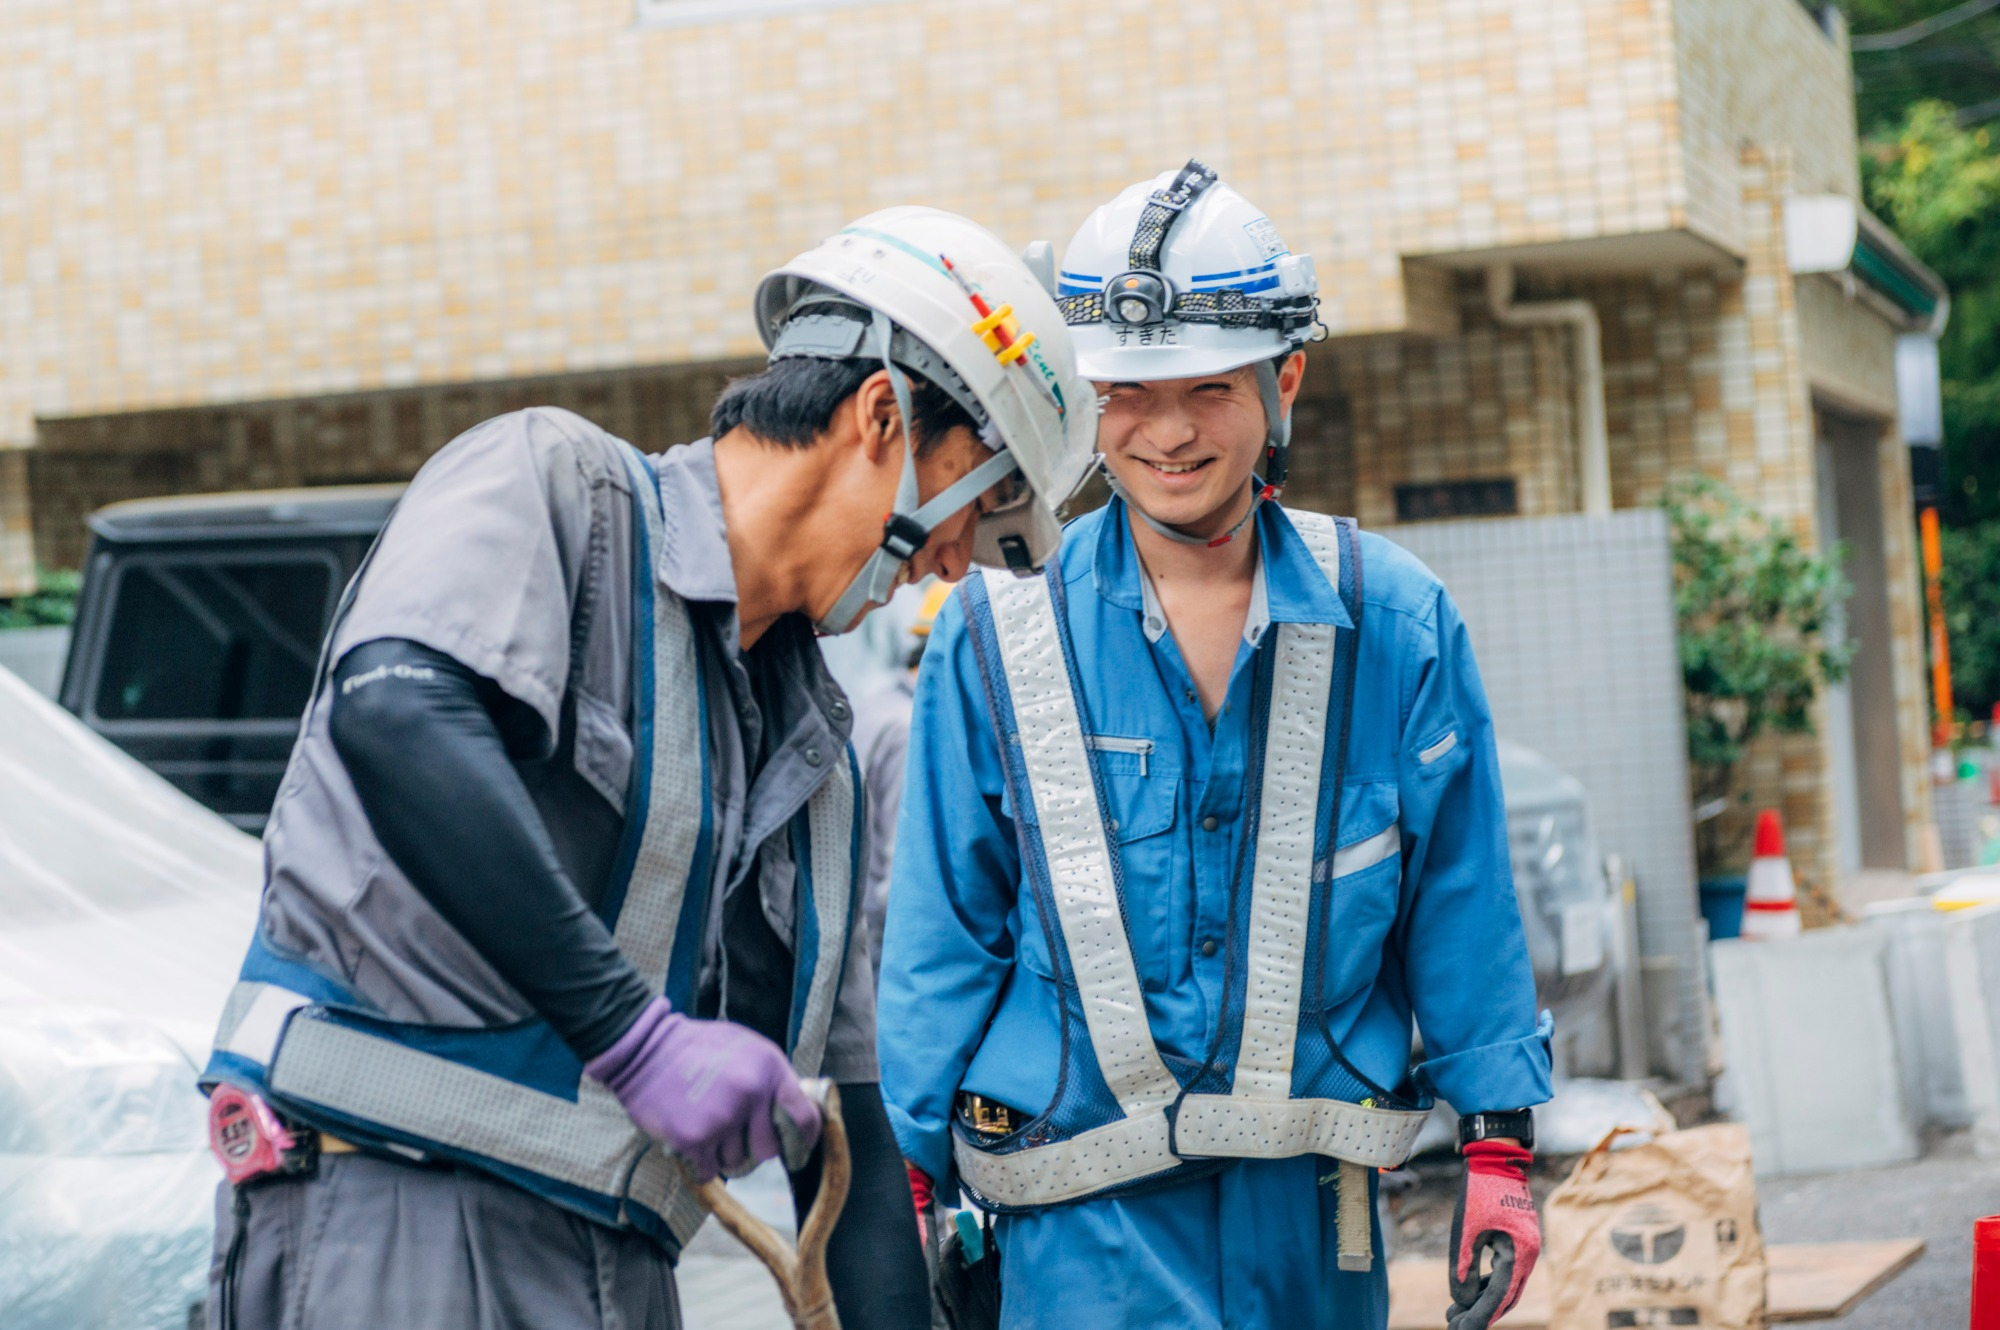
{"x": 124, "y": 911}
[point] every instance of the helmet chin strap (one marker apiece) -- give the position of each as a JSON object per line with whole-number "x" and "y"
{"x": 1277, "y": 450}
{"x": 909, "y": 524}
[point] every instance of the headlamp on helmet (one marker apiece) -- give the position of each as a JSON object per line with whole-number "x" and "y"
{"x": 1138, "y": 297}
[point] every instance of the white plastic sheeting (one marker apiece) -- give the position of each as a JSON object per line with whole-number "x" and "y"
{"x": 124, "y": 911}
{"x": 116, "y": 890}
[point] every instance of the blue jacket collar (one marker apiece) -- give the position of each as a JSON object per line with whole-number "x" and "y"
{"x": 1295, "y": 588}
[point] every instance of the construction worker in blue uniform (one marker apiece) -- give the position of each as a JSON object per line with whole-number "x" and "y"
{"x": 1197, "y": 828}
{"x": 562, "y": 880}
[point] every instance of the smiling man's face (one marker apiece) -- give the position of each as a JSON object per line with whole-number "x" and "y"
{"x": 1184, "y": 449}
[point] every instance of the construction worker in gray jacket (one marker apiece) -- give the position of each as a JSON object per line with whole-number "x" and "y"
{"x": 562, "y": 876}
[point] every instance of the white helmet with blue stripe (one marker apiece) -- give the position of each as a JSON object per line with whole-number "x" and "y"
{"x": 1178, "y": 277}
{"x": 1181, "y": 276}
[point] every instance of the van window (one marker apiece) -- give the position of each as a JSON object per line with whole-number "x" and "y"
{"x": 202, "y": 638}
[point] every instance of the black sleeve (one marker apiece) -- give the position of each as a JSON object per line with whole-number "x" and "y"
{"x": 421, "y": 737}
{"x": 874, "y": 1260}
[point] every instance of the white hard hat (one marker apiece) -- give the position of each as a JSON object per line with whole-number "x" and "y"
{"x": 1181, "y": 276}
{"x": 1178, "y": 277}
{"x": 946, "y": 299}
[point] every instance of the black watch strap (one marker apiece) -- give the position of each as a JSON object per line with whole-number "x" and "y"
{"x": 1519, "y": 1124}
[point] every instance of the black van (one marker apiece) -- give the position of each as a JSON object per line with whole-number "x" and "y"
{"x": 199, "y": 625}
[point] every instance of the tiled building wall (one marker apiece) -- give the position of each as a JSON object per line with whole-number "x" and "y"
{"x": 86, "y": 462}
{"x": 1763, "y": 72}
{"x": 205, "y": 203}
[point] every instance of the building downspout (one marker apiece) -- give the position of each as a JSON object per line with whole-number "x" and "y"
{"x": 1593, "y": 443}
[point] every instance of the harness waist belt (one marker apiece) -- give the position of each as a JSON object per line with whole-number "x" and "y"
{"x": 1239, "y": 1127}
{"x": 1135, "y": 1148}
{"x": 589, "y": 1143}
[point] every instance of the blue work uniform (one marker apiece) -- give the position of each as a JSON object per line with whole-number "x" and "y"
{"x": 969, "y": 996}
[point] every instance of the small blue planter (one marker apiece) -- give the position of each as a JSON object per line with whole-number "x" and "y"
{"x": 1722, "y": 906}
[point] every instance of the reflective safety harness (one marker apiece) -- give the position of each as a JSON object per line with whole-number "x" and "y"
{"x": 513, "y": 1100}
{"x": 1275, "y": 1084}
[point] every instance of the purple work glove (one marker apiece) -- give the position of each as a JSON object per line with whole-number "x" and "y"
{"x": 708, "y": 1090}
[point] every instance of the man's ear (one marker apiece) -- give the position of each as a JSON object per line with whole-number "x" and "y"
{"x": 1291, "y": 375}
{"x": 877, "y": 419}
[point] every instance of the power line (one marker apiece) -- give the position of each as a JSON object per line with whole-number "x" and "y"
{"x": 1978, "y": 114}
{"x": 1916, "y": 32}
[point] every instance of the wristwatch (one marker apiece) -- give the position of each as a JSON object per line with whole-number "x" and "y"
{"x": 1518, "y": 1123}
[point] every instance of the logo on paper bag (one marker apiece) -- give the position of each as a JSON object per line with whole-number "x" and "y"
{"x": 1648, "y": 1235}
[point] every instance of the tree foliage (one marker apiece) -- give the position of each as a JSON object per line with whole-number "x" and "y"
{"x": 1753, "y": 608}
{"x": 1959, "y": 64}
{"x": 1972, "y": 614}
{"x": 1939, "y": 187}
{"x": 1930, "y": 113}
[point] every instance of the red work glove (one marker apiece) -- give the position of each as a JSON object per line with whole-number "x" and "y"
{"x": 1496, "y": 1212}
{"x": 924, "y": 1194}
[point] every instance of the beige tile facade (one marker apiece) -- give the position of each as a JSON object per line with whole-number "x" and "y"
{"x": 251, "y": 246}
{"x": 225, "y": 202}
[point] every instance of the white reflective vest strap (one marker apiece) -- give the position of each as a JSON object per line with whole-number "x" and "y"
{"x": 1281, "y": 884}
{"x": 650, "y": 916}
{"x": 1117, "y": 1153}
{"x": 830, "y": 816}
{"x": 1078, "y": 854}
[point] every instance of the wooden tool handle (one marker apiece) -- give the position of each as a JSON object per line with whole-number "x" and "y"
{"x": 801, "y": 1275}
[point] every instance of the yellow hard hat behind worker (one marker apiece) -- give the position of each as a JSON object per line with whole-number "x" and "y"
{"x": 933, "y": 605}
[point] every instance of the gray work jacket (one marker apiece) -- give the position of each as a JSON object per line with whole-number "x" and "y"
{"x": 499, "y": 539}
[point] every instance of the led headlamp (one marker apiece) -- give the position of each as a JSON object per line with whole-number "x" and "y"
{"x": 1137, "y": 297}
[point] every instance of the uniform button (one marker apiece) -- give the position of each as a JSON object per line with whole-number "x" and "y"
{"x": 1209, "y": 824}
{"x": 1153, "y": 624}
{"x": 1208, "y": 947}
{"x": 1114, "y": 826}
{"x": 838, "y": 710}
{"x": 813, "y": 757}
{"x": 1192, "y": 696}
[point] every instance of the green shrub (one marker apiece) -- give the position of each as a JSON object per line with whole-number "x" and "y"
{"x": 52, "y": 605}
{"x": 1753, "y": 607}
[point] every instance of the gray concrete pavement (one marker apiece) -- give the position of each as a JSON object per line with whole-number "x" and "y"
{"x": 1936, "y": 1198}
{"x": 724, "y": 1287}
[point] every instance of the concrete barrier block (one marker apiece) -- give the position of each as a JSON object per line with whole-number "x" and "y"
{"x": 1972, "y": 977}
{"x": 1920, "y": 1003}
{"x": 1812, "y": 1051}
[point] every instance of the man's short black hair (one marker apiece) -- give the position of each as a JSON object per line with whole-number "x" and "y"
{"x": 792, "y": 403}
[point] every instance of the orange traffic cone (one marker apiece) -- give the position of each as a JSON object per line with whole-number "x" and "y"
{"x": 1770, "y": 898}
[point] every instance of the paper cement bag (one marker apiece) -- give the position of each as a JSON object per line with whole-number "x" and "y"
{"x": 1663, "y": 1234}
